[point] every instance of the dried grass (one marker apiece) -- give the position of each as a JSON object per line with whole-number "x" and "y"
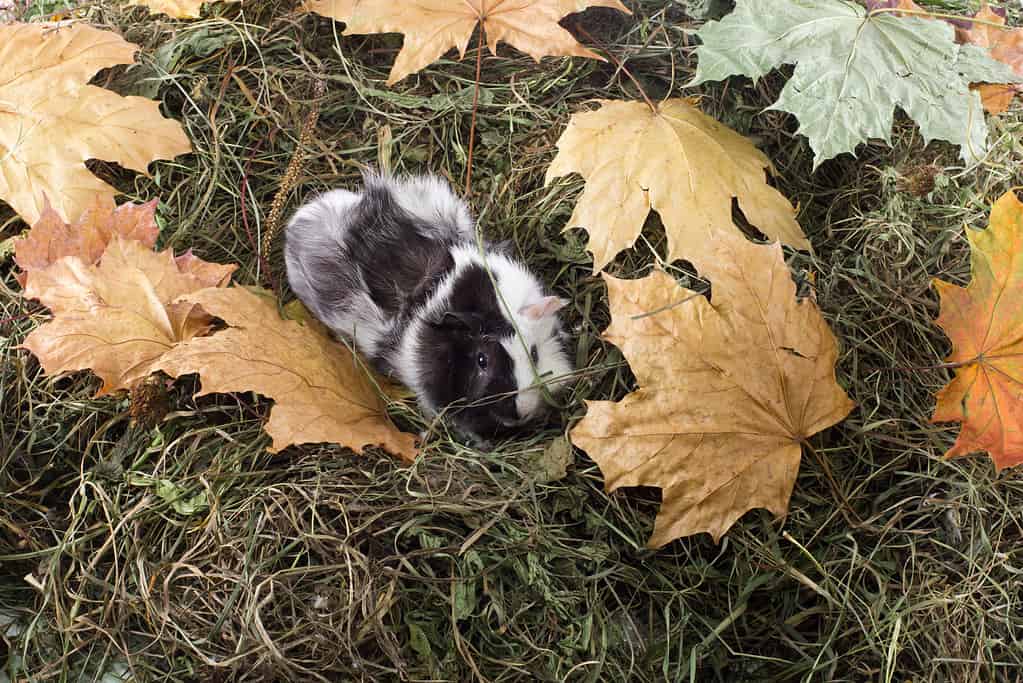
{"x": 314, "y": 564}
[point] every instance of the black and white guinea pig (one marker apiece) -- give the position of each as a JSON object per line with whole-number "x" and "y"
{"x": 398, "y": 271}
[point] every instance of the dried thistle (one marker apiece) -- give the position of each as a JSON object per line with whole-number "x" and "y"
{"x": 918, "y": 180}
{"x": 150, "y": 401}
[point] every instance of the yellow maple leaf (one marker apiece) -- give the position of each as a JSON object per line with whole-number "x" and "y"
{"x": 116, "y": 318}
{"x": 51, "y": 121}
{"x": 321, "y": 391}
{"x": 728, "y": 391}
{"x": 677, "y": 161}
{"x": 432, "y": 27}
{"x": 178, "y": 9}
{"x": 51, "y": 239}
{"x": 985, "y": 324}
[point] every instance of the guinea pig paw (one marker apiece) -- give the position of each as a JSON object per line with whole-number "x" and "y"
{"x": 476, "y": 441}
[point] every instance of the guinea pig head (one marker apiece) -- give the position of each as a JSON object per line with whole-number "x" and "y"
{"x": 468, "y": 370}
{"x": 490, "y": 354}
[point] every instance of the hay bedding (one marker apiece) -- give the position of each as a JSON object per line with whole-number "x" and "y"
{"x": 317, "y": 565}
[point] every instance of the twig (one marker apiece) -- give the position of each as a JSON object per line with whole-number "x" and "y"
{"x": 475, "y": 106}
{"x": 846, "y": 509}
{"x": 918, "y": 368}
{"x": 621, "y": 67}
{"x": 14, "y": 318}
{"x": 243, "y": 192}
{"x": 936, "y": 15}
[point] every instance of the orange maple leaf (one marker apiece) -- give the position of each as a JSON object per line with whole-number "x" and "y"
{"x": 51, "y": 239}
{"x": 1006, "y": 46}
{"x": 985, "y": 323}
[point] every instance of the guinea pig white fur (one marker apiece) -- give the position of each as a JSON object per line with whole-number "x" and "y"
{"x": 397, "y": 270}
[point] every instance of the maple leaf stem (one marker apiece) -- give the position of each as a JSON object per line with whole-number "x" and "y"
{"x": 264, "y": 266}
{"x": 475, "y": 106}
{"x": 13, "y": 318}
{"x": 936, "y": 366}
{"x": 220, "y": 98}
{"x": 621, "y": 66}
{"x": 935, "y": 15}
{"x": 846, "y": 508}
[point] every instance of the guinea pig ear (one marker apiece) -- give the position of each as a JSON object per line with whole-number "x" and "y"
{"x": 459, "y": 321}
{"x": 547, "y": 306}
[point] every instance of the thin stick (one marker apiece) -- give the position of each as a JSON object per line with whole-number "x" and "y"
{"x": 14, "y": 318}
{"x": 847, "y": 508}
{"x": 264, "y": 266}
{"x": 918, "y": 368}
{"x": 936, "y": 15}
{"x": 475, "y": 104}
{"x": 621, "y": 67}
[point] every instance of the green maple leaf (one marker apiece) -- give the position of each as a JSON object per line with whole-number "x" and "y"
{"x": 853, "y": 68}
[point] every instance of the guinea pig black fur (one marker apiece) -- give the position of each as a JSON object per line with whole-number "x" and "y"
{"x": 397, "y": 270}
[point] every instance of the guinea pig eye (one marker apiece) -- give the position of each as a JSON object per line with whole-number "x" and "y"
{"x": 534, "y": 355}
{"x": 481, "y": 360}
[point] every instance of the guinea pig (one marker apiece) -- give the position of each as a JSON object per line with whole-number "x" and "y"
{"x": 397, "y": 270}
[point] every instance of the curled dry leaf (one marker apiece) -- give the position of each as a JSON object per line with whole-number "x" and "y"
{"x": 321, "y": 391}
{"x": 51, "y": 121}
{"x": 985, "y": 323}
{"x": 51, "y": 239}
{"x": 728, "y": 391}
{"x": 553, "y": 463}
{"x": 682, "y": 164}
{"x": 432, "y": 27}
{"x": 116, "y": 318}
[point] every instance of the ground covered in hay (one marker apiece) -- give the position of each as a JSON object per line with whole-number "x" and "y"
{"x": 315, "y": 564}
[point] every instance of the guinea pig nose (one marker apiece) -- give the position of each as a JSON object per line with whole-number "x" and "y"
{"x": 527, "y": 402}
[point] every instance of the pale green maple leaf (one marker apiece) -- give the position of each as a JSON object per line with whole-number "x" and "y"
{"x": 853, "y": 69}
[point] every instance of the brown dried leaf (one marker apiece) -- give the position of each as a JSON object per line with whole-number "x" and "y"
{"x": 727, "y": 391}
{"x": 321, "y": 391}
{"x": 51, "y": 239}
{"x": 51, "y": 121}
{"x": 432, "y": 27}
{"x": 209, "y": 274}
{"x": 115, "y": 318}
